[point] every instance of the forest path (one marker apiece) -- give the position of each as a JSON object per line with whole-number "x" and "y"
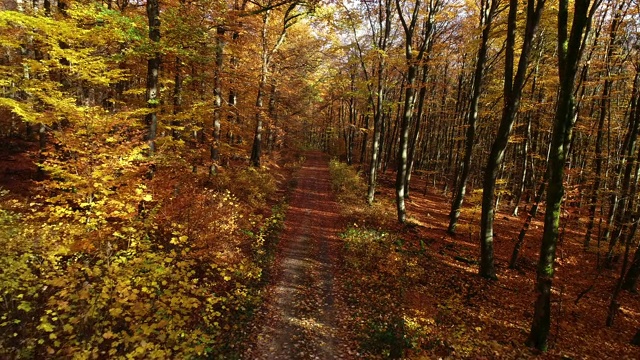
{"x": 299, "y": 317}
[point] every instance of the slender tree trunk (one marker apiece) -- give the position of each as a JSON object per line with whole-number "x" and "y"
{"x": 403, "y": 148}
{"x": 382, "y": 17}
{"x": 605, "y": 102}
{"x": 177, "y": 99}
{"x": 272, "y": 137}
{"x": 489, "y": 8}
{"x": 412, "y": 61}
{"x": 375, "y": 147}
{"x": 512, "y": 95}
{"x": 614, "y": 305}
{"x": 365, "y": 140}
{"x": 256, "y": 148}
{"x": 267, "y": 53}
{"x": 630, "y": 282}
{"x": 628, "y": 155}
{"x": 419, "y": 124}
{"x": 153, "y": 68}
{"x": 351, "y": 126}
{"x": 393, "y": 139}
{"x": 636, "y": 338}
{"x": 532, "y": 214}
{"x": 217, "y": 93}
{"x": 525, "y": 165}
{"x": 569, "y": 52}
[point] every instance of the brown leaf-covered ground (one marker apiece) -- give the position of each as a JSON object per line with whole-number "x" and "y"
{"x": 317, "y": 306}
{"x": 298, "y": 319}
{"x": 499, "y": 312}
{"x": 320, "y": 307}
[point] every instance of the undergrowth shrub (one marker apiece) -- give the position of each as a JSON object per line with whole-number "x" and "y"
{"x": 139, "y": 271}
{"x": 350, "y": 189}
{"x": 346, "y": 182}
{"x": 252, "y": 185}
{"x": 114, "y": 253}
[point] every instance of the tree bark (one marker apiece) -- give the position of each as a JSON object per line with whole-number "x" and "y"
{"x": 153, "y": 68}
{"x": 512, "y": 94}
{"x": 217, "y": 93}
{"x": 605, "y": 102}
{"x": 569, "y": 53}
{"x": 487, "y": 15}
{"x": 412, "y": 61}
{"x": 267, "y": 53}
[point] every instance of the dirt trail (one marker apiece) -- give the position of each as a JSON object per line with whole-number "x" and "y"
{"x": 298, "y": 320}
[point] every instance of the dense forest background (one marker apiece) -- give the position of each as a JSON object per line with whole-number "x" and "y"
{"x": 148, "y": 149}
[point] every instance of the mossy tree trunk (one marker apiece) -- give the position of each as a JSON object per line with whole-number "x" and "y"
{"x": 570, "y": 46}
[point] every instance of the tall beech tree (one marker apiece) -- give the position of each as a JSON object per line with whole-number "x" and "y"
{"x": 571, "y": 45}
{"x": 488, "y": 11}
{"x": 512, "y": 93}
{"x": 217, "y": 92}
{"x": 413, "y": 58}
{"x": 153, "y": 70}
{"x": 612, "y": 60}
{"x": 379, "y": 17}
{"x": 267, "y": 51}
{"x": 384, "y": 19}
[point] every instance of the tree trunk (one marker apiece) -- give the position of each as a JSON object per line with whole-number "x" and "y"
{"x": 525, "y": 165}
{"x": 532, "y": 214}
{"x": 486, "y": 21}
{"x": 217, "y": 93}
{"x": 614, "y": 306}
{"x": 630, "y": 282}
{"x": 267, "y": 53}
{"x": 272, "y": 137}
{"x": 624, "y": 208}
{"x": 605, "y": 102}
{"x": 177, "y": 98}
{"x": 569, "y": 53}
{"x": 418, "y": 126}
{"x": 403, "y": 149}
{"x": 512, "y": 94}
{"x": 153, "y": 68}
{"x": 636, "y": 338}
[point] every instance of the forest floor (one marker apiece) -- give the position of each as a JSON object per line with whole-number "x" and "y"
{"x": 493, "y": 317}
{"x": 299, "y": 319}
{"x": 418, "y": 293}
{"x": 421, "y": 296}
